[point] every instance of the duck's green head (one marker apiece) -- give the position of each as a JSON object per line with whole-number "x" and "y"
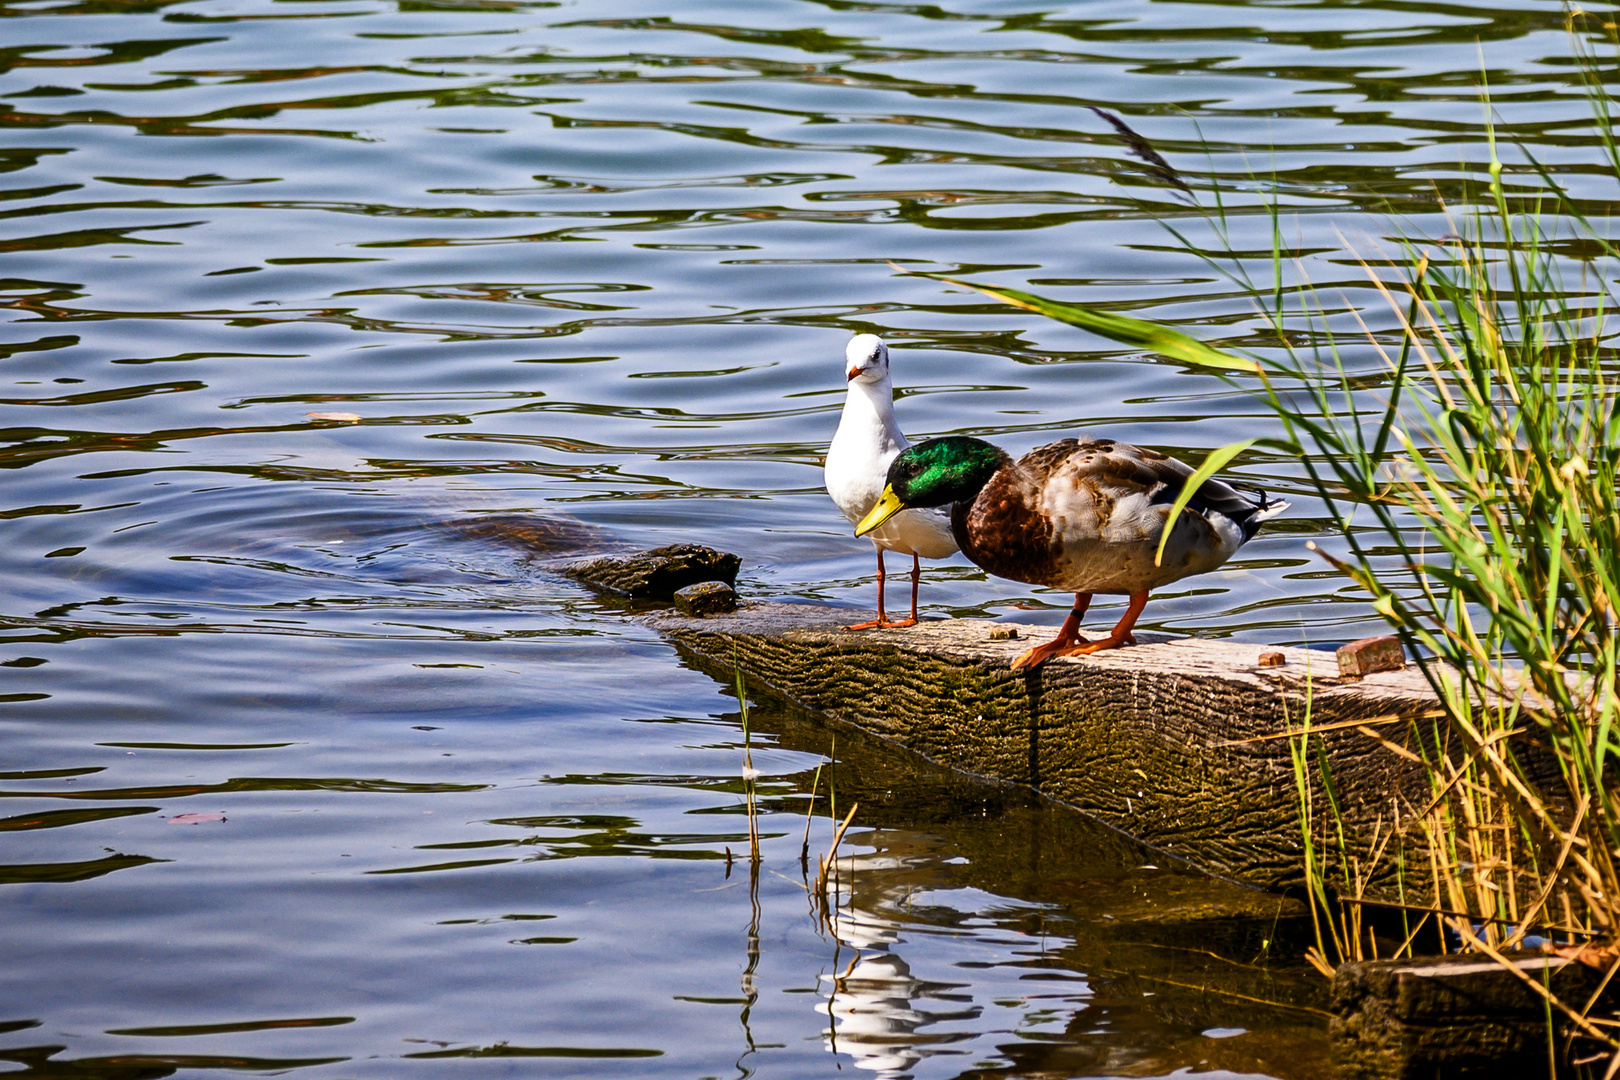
{"x": 934, "y": 473}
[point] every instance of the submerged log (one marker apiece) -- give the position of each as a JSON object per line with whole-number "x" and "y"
{"x": 657, "y": 574}
{"x": 1180, "y": 743}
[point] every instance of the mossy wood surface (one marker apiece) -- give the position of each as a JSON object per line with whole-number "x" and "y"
{"x": 1149, "y": 739}
{"x": 1448, "y": 1016}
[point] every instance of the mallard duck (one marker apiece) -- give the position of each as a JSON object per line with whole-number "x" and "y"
{"x": 1083, "y": 515}
{"x": 858, "y": 464}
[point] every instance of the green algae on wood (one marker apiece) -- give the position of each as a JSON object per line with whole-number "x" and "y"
{"x": 1174, "y": 742}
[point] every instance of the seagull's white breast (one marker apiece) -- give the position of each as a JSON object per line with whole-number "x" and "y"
{"x": 857, "y": 469}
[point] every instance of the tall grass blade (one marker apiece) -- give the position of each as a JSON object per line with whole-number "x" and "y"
{"x": 1214, "y": 463}
{"x": 1122, "y": 328}
{"x": 1143, "y": 150}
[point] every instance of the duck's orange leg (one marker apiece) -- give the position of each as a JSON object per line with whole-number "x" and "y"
{"x": 882, "y": 619}
{"x": 1121, "y": 633}
{"x": 1067, "y": 641}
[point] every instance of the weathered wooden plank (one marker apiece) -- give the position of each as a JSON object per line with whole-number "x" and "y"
{"x": 1182, "y": 744}
{"x": 1172, "y": 741}
{"x": 1449, "y": 1016}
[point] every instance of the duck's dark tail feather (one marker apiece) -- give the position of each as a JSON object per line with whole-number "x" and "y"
{"x": 1247, "y": 507}
{"x": 1268, "y": 509}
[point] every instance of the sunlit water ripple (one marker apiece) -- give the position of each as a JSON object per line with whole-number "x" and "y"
{"x": 302, "y": 775}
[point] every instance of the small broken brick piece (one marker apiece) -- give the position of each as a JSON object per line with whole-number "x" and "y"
{"x": 1369, "y": 655}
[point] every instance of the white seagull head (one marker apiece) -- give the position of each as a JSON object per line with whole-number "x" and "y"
{"x": 866, "y": 358}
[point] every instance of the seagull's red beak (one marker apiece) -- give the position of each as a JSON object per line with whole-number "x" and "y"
{"x": 854, "y": 371}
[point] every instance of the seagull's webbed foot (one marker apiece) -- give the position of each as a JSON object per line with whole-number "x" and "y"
{"x": 882, "y": 621}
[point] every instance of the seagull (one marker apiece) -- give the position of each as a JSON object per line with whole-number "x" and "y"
{"x": 857, "y": 468}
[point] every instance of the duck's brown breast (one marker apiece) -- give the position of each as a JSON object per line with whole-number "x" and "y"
{"x": 1004, "y": 531}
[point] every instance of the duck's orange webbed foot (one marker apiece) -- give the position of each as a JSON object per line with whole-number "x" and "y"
{"x": 1040, "y": 654}
{"x": 1120, "y": 634}
{"x": 1070, "y": 643}
{"x": 1067, "y": 640}
{"x": 1109, "y": 642}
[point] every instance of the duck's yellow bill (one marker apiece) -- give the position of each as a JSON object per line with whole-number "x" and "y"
{"x": 887, "y": 506}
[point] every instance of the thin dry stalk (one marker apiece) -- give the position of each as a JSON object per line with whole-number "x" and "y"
{"x": 749, "y": 774}
{"x": 809, "y": 818}
{"x": 828, "y": 866}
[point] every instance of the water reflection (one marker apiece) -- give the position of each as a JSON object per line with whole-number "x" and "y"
{"x": 876, "y": 1004}
{"x": 1003, "y": 941}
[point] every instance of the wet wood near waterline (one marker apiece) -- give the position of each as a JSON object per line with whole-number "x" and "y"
{"x": 1183, "y": 744}
{"x": 1449, "y": 1016}
{"x": 1180, "y": 743}
{"x": 657, "y": 574}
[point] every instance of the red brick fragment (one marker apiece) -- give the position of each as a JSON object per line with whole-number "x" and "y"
{"x": 1369, "y": 655}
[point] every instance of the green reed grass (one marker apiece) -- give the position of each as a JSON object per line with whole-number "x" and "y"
{"x": 1489, "y": 470}
{"x": 1476, "y": 495}
{"x": 809, "y": 816}
{"x": 750, "y": 775}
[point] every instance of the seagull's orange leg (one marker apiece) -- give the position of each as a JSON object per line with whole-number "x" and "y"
{"x": 1067, "y": 640}
{"x": 916, "y": 576}
{"x": 882, "y": 619}
{"x": 1121, "y": 633}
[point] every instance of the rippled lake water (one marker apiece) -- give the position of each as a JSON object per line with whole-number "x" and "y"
{"x": 304, "y": 776}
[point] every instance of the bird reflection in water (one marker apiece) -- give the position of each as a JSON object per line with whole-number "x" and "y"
{"x": 874, "y": 1002}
